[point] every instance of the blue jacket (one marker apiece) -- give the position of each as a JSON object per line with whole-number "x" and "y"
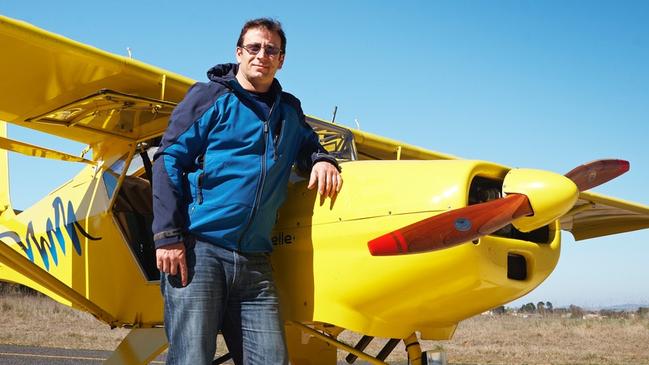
{"x": 222, "y": 169}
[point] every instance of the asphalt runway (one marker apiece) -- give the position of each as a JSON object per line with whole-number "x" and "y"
{"x": 31, "y": 355}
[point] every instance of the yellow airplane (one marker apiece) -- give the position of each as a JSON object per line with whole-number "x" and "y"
{"x": 404, "y": 256}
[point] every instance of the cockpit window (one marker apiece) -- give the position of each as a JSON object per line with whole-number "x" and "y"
{"x": 137, "y": 164}
{"x": 338, "y": 141}
{"x": 133, "y": 208}
{"x": 111, "y": 175}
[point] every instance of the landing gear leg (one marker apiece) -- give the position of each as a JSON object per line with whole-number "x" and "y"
{"x": 139, "y": 347}
{"x": 418, "y": 357}
{"x": 413, "y": 349}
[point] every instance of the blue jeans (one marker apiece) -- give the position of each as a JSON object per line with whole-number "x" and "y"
{"x": 227, "y": 291}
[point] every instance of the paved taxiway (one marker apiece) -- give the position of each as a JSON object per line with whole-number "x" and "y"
{"x": 32, "y": 355}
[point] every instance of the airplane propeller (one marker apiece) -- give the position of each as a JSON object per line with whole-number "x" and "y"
{"x": 474, "y": 221}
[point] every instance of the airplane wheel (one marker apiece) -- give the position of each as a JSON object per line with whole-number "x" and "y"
{"x": 433, "y": 358}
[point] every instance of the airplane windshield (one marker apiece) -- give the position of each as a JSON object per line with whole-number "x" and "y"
{"x": 337, "y": 140}
{"x": 111, "y": 175}
{"x": 137, "y": 164}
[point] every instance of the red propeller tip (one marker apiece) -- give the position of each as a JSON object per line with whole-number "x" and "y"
{"x": 624, "y": 166}
{"x": 392, "y": 243}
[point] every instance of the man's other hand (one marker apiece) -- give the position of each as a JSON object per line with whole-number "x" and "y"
{"x": 328, "y": 178}
{"x": 171, "y": 260}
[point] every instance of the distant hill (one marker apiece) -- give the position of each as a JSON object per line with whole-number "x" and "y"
{"x": 624, "y": 307}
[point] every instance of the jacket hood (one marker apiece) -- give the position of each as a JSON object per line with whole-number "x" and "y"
{"x": 223, "y": 72}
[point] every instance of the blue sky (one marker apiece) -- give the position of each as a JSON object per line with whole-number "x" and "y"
{"x": 548, "y": 85}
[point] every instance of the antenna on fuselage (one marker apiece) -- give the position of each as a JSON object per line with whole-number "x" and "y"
{"x": 333, "y": 120}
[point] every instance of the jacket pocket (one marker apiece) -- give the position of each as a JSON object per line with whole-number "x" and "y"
{"x": 195, "y": 180}
{"x": 219, "y": 222}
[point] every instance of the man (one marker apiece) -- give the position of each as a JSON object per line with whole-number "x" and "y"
{"x": 220, "y": 175}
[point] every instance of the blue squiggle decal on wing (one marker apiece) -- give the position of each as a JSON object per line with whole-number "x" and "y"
{"x": 46, "y": 245}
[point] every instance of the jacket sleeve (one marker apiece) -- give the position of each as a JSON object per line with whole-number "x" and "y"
{"x": 182, "y": 144}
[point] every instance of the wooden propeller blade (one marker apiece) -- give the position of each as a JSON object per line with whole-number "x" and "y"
{"x": 453, "y": 227}
{"x": 592, "y": 174}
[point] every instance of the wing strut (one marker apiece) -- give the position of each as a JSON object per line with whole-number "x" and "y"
{"x": 22, "y": 265}
{"x": 37, "y": 151}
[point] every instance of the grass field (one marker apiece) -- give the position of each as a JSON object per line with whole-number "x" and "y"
{"x": 504, "y": 339}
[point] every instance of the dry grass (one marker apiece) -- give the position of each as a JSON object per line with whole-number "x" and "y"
{"x": 538, "y": 340}
{"x": 39, "y": 321}
{"x": 550, "y": 340}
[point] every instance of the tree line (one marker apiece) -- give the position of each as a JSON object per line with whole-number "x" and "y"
{"x": 575, "y": 311}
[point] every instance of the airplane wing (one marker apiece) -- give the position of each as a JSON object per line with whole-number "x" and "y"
{"x": 66, "y": 88}
{"x": 596, "y": 215}
{"x": 353, "y": 144}
{"x": 375, "y": 147}
{"x": 62, "y": 87}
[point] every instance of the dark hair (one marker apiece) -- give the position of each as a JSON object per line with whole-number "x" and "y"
{"x": 271, "y": 25}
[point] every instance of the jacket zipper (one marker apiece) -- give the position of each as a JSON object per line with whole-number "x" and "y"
{"x": 260, "y": 187}
{"x": 277, "y": 139}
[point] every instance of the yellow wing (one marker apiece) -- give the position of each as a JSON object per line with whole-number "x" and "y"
{"x": 353, "y": 144}
{"x": 596, "y": 215}
{"x": 59, "y": 86}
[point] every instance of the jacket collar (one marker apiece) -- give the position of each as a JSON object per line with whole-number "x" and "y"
{"x": 225, "y": 73}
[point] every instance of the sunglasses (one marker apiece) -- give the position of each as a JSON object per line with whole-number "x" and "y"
{"x": 254, "y": 48}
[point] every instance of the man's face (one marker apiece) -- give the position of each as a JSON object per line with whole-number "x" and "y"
{"x": 260, "y": 68}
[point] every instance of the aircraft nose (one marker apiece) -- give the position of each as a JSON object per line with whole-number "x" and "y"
{"x": 533, "y": 198}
